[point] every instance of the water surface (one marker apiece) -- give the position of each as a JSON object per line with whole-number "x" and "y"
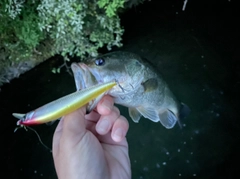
{"x": 197, "y": 54}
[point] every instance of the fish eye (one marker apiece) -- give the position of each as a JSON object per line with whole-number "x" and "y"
{"x": 99, "y": 61}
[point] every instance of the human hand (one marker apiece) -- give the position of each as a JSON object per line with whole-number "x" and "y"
{"x": 92, "y": 146}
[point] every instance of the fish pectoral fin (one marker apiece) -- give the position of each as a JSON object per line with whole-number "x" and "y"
{"x": 134, "y": 114}
{"x": 150, "y": 85}
{"x": 168, "y": 119}
{"x": 149, "y": 112}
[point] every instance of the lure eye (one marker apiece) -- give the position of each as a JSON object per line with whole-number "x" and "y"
{"x": 100, "y": 62}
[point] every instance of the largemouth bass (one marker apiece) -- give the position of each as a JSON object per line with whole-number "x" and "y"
{"x": 140, "y": 87}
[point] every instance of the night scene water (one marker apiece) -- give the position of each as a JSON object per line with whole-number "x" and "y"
{"x": 197, "y": 52}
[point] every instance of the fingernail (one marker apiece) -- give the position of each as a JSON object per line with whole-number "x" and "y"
{"x": 118, "y": 135}
{"x": 103, "y": 126}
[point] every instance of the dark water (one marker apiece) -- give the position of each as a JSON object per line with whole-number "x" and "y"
{"x": 197, "y": 51}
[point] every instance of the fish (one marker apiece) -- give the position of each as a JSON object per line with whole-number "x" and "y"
{"x": 141, "y": 88}
{"x": 64, "y": 105}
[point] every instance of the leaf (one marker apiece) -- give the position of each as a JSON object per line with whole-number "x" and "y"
{"x": 54, "y": 70}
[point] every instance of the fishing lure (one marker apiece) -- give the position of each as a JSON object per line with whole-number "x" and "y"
{"x": 62, "y": 106}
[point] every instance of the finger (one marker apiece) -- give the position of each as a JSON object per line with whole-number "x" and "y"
{"x": 90, "y": 121}
{"x": 56, "y": 137}
{"x": 116, "y": 137}
{"x": 93, "y": 116}
{"x": 107, "y": 139}
{"x": 105, "y": 106}
{"x": 120, "y": 129}
{"x": 106, "y": 122}
{"x": 74, "y": 126}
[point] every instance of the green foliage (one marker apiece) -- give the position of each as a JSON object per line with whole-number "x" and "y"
{"x": 19, "y": 31}
{"x": 28, "y": 32}
{"x": 75, "y": 27}
{"x": 41, "y": 28}
{"x": 79, "y": 27}
{"x": 56, "y": 70}
{"x": 111, "y": 7}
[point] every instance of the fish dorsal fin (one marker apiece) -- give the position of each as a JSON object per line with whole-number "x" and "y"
{"x": 150, "y": 85}
{"x": 149, "y": 112}
{"x": 134, "y": 114}
{"x": 167, "y": 119}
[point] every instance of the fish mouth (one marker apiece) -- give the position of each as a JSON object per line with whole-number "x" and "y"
{"x": 91, "y": 75}
{"x": 85, "y": 77}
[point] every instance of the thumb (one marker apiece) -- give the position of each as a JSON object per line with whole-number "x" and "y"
{"x": 74, "y": 126}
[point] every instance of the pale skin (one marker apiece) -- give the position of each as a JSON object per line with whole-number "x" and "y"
{"x": 92, "y": 146}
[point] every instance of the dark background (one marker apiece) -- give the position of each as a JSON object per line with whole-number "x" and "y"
{"x": 196, "y": 50}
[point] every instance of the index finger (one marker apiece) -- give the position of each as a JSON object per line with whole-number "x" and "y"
{"x": 104, "y": 107}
